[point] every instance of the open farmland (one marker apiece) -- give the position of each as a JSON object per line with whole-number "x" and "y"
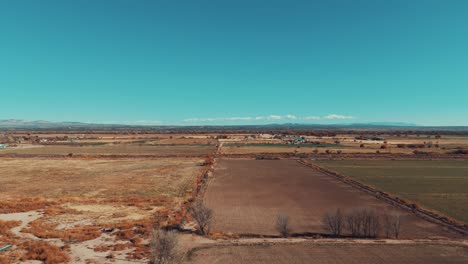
{"x": 437, "y": 185}
{"x": 59, "y": 178}
{"x": 281, "y": 149}
{"x": 332, "y": 253}
{"x": 64, "y": 204}
{"x": 117, "y": 149}
{"x": 246, "y": 195}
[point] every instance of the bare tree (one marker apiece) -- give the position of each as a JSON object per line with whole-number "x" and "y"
{"x": 387, "y": 226}
{"x": 396, "y": 225}
{"x": 163, "y": 246}
{"x": 392, "y": 224}
{"x": 202, "y": 215}
{"x": 353, "y": 223}
{"x": 333, "y": 222}
{"x": 282, "y": 224}
{"x": 363, "y": 222}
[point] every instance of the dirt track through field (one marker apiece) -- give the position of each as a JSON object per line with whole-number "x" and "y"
{"x": 300, "y": 253}
{"x": 246, "y": 196}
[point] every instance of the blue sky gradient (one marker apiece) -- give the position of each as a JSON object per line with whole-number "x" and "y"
{"x": 235, "y": 62}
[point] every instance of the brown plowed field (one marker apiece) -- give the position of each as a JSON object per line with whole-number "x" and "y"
{"x": 246, "y": 195}
{"x": 330, "y": 254}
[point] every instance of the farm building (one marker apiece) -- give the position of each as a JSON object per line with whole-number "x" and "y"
{"x": 2, "y": 146}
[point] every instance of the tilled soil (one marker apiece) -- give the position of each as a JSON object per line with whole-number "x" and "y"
{"x": 246, "y": 195}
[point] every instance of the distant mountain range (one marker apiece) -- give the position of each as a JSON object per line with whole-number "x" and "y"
{"x": 16, "y": 124}
{"x": 42, "y": 124}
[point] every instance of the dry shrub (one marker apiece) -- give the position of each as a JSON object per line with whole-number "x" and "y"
{"x": 129, "y": 229}
{"x": 363, "y": 222}
{"x": 45, "y": 252}
{"x": 282, "y": 224}
{"x": 392, "y": 224}
{"x": 6, "y": 226}
{"x": 163, "y": 246}
{"x": 459, "y": 152}
{"x": 42, "y": 229}
{"x": 334, "y": 222}
{"x": 24, "y": 205}
{"x": 4, "y": 260}
{"x": 134, "y": 232}
{"x": 112, "y": 247}
{"x": 202, "y": 215}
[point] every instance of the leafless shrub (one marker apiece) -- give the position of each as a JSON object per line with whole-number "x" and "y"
{"x": 202, "y": 215}
{"x": 334, "y": 222}
{"x": 392, "y": 224}
{"x": 396, "y": 224}
{"x": 353, "y": 223}
{"x": 282, "y": 224}
{"x": 163, "y": 245}
{"x": 363, "y": 222}
{"x": 372, "y": 223}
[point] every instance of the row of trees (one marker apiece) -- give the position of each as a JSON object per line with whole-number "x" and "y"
{"x": 358, "y": 222}
{"x": 363, "y": 222}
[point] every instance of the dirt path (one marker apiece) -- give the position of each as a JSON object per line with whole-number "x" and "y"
{"x": 330, "y": 251}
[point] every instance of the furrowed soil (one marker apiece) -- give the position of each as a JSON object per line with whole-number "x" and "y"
{"x": 436, "y": 185}
{"x": 330, "y": 253}
{"x": 246, "y": 195}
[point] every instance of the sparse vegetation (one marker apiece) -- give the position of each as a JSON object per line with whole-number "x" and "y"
{"x": 392, "y": 224}
{"x": 363, "y": 223}
{"x": 202, "y": 215}
{"x": 282, "y": 224}
{"x": 45, "y": 252}
{"x": 334, "y": 222}
{"x": 163, "y": 247}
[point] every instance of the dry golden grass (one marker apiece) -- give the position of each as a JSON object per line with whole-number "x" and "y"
{"x": 45, "y": 252}
{"x": 58, "y": 178}
{"x": 42, "y": 229}
{"x": 118, "y": 149}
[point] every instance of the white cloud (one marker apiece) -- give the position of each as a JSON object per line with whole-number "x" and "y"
{"x": 312, "y": 118}
{"x": 334, "y": 116}
{"x": 132, "y": 122}
{"x": 274, "y": 117}
{"x": 269, "y": 117}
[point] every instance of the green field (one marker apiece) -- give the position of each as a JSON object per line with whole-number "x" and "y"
{"x": 275, "y": 145}
{"x": 438, "y": 185}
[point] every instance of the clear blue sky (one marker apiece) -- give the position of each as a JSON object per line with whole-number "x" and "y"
{"x": 235, "y": 62}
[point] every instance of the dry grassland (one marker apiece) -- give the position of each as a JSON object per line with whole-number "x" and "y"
{"x": 73, "y": 200}
{"x": 118, "y": 149}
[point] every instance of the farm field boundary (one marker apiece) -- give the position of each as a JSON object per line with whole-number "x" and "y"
{"x": 356, "y": 156}
{"x": 324, "y": 250}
